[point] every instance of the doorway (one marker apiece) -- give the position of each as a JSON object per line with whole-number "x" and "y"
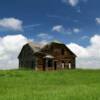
{"x": 55, "y": 65}
{"x": 32, "y": 65}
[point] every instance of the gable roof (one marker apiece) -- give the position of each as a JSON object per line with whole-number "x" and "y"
{"x": 59, "y": 43}
{"x": 37, "y": 48}
{"x": 33, "y": 46}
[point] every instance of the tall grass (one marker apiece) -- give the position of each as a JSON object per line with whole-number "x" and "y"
{"x": 53, "y": 85}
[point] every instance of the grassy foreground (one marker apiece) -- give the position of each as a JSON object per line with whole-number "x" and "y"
{"x": 53, "y": 85}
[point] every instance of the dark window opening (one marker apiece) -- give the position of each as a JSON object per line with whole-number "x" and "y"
{"x": 49, "y": 62}
{"x": 55, "y": 65}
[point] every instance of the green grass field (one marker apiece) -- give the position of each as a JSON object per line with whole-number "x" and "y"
{"x": 53, "y": 85}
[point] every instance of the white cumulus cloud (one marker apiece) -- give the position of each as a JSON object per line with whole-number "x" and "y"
{"x": 11, "y": 23}
{"x": 63, "y": 30}
{"x": 76, "y": 30}
{"x": 73, "y": 3}
{"x": 78, "y": 50}
{"x": 58, "y": 28}
{"x": 10, "y": 46}
{"x": 97, "y": 20}
{"x": 88, "y": 57}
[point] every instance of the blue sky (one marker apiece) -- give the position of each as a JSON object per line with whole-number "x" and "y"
{"x": 73, "y": 22}
{"x": 50, "y": 13}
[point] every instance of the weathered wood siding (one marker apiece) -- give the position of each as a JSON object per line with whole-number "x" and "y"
{"x": 26, "y": 59}
{"x": 60, "y": 57}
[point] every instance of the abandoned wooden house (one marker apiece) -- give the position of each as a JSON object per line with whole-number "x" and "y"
{"x": 52, "y": 56}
